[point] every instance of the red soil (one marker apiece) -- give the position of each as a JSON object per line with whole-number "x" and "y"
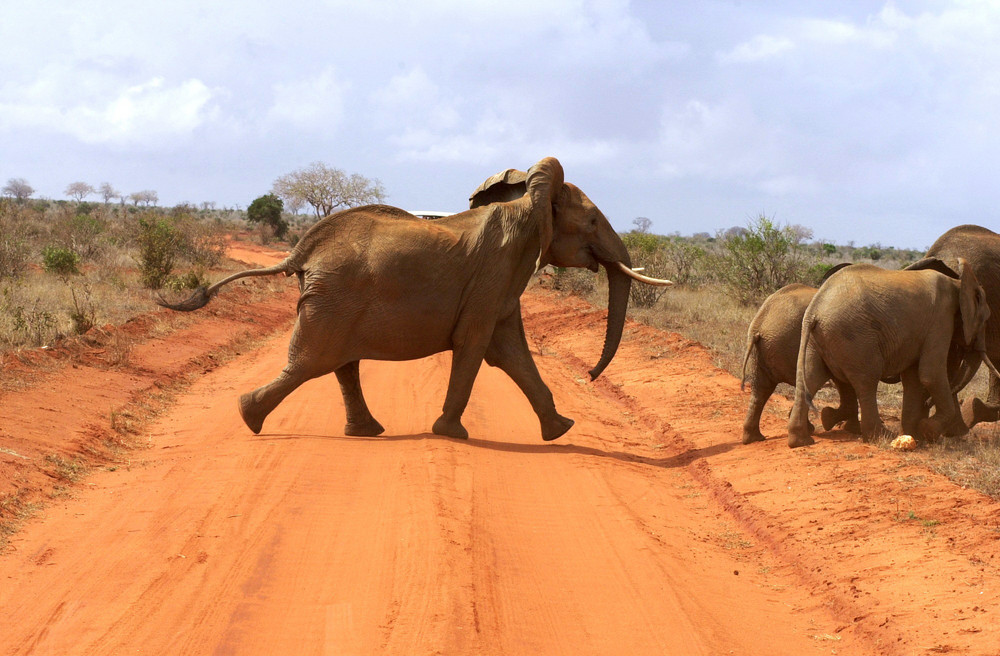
{"x": 647, "y": 529}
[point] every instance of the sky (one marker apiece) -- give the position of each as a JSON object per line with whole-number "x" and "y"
{"x": 866, "y": 122}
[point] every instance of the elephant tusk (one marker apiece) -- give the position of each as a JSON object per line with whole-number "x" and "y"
{"x": 638, "y": 269}
{"x": 989, "y": 364}
{"x": 641, "y": 278}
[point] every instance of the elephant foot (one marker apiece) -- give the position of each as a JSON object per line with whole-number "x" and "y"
{"x": 556, "y": 428}
{"x": 975, "y": 411}
{"x": 369, "y": 428}
{"x": 450, "y": 428}
{"x": 797, "y": 440}
{"x": 751, "y": 436}
{"x": 928, "y": 429}
{"x": 252, "y": 417}
{"x": 832, "y": 416}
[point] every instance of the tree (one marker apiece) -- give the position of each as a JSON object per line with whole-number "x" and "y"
{"x": 18, "y": 189}
{"x": 79, "y": 190}
{"x": 266, "y": 210}
{"x": 327, "y": 189}
{"x": 147, "y": 197}
{"x": 642, "y": 223}
{"x": 108, "y": 192}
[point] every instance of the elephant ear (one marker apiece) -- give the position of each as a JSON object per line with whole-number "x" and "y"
{"x": 974, "y": 308}
{"x": 503, "y": 187}
{"x": 934, "y": 264}
{"x": 545, "y": 184}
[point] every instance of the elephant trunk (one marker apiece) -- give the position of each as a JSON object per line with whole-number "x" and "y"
{"x": 619, "y": 286}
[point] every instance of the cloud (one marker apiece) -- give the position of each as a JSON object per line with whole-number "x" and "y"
{"x": 758, "y": 48}
{"x": 312, "y": 102}
{"x": 151, "y": 111}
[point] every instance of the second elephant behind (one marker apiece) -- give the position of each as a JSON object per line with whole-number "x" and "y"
{"x": 772, "y": 348}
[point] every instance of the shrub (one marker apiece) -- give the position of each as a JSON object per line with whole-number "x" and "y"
{"x": 575, "y": 281}
{"x": 755, "y": 263}
{"x": 159, "y": 243}
{"x": 61, "y": 262}
{"x": 13, "y": 242}
{"x": 646, "y": 250}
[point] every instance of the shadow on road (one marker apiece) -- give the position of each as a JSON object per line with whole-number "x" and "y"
{"x": 545, "y": 449}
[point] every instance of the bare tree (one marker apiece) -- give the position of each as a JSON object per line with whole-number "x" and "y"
{"x": 642, "y": 223}
{"x": 79, "y": 190}
{"x": 147, "y": 197}
{"x": 18, "y": 189}
{"x": 108, "y": 192}
{"x": 327, "y": 189}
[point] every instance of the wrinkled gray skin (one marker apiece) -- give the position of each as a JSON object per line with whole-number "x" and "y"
{"x": 868, "y": 323}
{"x": 377, "y": 283}
{"x": 980, "y": 247}
{"x": 772, "y": 349}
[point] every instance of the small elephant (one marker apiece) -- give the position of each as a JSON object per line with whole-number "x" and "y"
{"x": 773, "y": 343}
{"x": 378, "y": 283}
{"x": 868, "y": 323}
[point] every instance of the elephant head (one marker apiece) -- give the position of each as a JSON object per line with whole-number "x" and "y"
{"x": 969, "y": 348}
{"x": 573, "y": 232}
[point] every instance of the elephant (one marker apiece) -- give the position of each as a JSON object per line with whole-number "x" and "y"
{"x": 867, "y": 323}
{"x": 980, "y": 247}
{"x": 773, "y": 343}
{"x": 377, "y": 283}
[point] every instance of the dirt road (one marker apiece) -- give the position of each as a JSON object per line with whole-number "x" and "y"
{"x": 647, "y": 529}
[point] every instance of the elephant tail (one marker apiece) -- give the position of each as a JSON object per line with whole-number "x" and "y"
{"x": 204, "y": 294}
{"x": 808, "y": 323}
{"x": 752, "y": 345}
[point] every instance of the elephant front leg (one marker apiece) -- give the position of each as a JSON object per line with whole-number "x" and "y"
{"x": 509, "y": 351}
{"x": 946, "y": 420}
{"x": 360, "y": 421}
{"x": 467, "y": 357}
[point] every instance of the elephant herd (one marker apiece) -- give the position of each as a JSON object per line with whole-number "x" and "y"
{"x": 929, "y": 326}
{"x": 378, "y": 283}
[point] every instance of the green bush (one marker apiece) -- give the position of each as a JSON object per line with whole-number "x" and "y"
{"x": 647, "y": 251}
{"x": 159, "y": 243}
{"x": 266, "y": 211}
{"x": 757, "y": 262}
{"x": 61, "y": 262}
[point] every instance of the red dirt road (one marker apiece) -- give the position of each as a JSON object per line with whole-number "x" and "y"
{"x": 647, "y": 529}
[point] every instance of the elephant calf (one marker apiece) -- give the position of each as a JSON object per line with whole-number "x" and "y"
{"x": 867, "y": 323}
{"x": 773, "y": 344}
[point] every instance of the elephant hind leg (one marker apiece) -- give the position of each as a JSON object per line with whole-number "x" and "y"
{"x": 360, "y": 421}
{"x": 760, "y": 391}
{"x": 255, "y": 406}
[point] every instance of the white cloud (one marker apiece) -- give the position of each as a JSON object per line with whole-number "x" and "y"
{"x": 151, "y": 111}
{"x": 758, "y": 48}
{"x": 313, "y": 102}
